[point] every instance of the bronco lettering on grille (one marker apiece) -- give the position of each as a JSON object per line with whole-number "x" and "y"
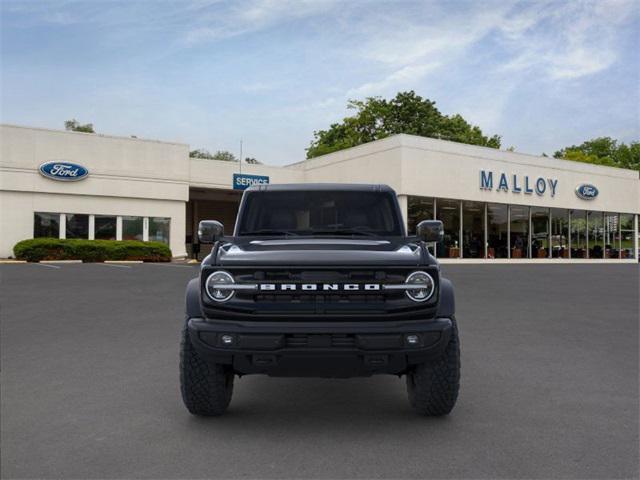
{"x": 319, "y": 286}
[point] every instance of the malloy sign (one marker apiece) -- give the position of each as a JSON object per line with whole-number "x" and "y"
{"x": 515, "y": 183}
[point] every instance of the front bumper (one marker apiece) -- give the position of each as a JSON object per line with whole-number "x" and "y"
{"x": 319, "y": 349}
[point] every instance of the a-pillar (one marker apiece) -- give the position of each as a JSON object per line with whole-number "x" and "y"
{"x": 403, "y": 200}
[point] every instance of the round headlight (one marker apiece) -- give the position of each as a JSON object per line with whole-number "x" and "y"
{"x": 425, "y": 286}
{"x": 217, "y": 286}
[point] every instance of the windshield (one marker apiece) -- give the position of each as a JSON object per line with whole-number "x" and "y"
{"x": 349, "y": 213}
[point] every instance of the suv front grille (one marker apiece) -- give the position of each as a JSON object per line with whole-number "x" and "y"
{"x": 322, "y": 276}
{"x": 323, "y": 298}
{"x": 279, "y": 304}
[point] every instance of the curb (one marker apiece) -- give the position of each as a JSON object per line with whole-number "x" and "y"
{"x": 123, "y": 261}
{"x": 8, "y": 262}
{"x": 60, "y": 261}
{"x": 536, "y": 261}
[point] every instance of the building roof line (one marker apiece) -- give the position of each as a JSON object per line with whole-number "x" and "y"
{"x": 510, "y": 153}
{"x": 118, "y": 137}
{"x": 563, "y": 168}
{"x": 470, "y": 150}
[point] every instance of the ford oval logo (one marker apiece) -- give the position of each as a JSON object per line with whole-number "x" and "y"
{"x": 64, "y": 171}
{"x": 586, "y": 191}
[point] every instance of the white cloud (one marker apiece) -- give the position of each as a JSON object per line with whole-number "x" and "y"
{"x": 407, "y": 38}
{"x": 557, "y": 40}
{"x": 406, "y": 49}
{"x": 251, "y": 16}
{"x": 564, "y": 41}
{"x": 405, "y": 77}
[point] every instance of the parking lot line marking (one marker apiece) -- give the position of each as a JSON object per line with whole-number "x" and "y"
{"x": 171, "y": 265}
{"x": 46, "y": 265}
{"x": 113, "y": 265}
{"x": 60, "y": 261}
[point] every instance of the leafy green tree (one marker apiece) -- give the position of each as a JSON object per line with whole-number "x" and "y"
{"x": 377, "y": 118}
{"x": 219, "y": 155}
{"x": 75, "y": 126}
{"x": 604, "y": 151}
{"x": 225, "y": 156}
{"x": 201, "y": 153}
{"x": 252, "y": 161}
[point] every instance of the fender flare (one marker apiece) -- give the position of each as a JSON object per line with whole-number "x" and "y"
{"x": 447, "y": 304}
{"x": 192, "y": 299}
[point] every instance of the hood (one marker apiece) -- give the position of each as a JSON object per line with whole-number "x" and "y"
{"x": 319, "y": 251}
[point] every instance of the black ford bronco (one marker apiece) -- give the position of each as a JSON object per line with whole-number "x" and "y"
{"x": 319, "y": 281}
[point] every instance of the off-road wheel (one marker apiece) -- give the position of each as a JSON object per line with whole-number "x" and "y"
{"x": 206, "y": 388}
{"x": 433, "y": 386}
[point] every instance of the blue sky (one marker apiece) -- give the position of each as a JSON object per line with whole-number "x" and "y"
{"x": 542, "y": 74}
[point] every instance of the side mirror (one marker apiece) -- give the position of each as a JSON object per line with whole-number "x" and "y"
{"x": 430, "y": 231}
{"x": 210, "y": 231}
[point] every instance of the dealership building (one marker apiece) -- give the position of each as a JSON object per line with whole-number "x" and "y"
{"x": 496, "y": 206}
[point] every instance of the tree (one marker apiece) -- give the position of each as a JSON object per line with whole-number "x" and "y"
{"x": 225, "y": 156}
{"x": 252, "y": 161}
{"x": 75, "y": 126}
{"x": 377, "y": 118}
{"x": 219, "y": 155}
{"x": 201, "y": 153}
{"x": 604, "y": 151}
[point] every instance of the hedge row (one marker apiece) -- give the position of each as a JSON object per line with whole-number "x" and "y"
{"x": 37, "y": 249}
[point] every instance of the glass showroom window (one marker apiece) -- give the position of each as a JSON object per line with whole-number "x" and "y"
{"x": 539, "y": 232}
{"x": 578, "y": 234}
{"x": 519, "y": 231}
{"x": 418, "y": 208}
{"x": 77, "y": 226}
{"x": 105, "y": 227}
{"x": 497, "y": 230}
{"x": 473, "y": 230}
{"x": 46, "y": 225}
{"x": 611, "y": 235}
{"x": 449, "y": 212}
{"x": 132, "y": 228}
{"x": 626, "y": 237}
{"x": 159, "y": 229}
{"x": 559, "y": 233}
{"x": 596, "y": 235}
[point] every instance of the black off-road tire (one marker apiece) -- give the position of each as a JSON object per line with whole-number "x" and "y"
{"x": 433, "y": 386}
{"x": 206, "y": 388}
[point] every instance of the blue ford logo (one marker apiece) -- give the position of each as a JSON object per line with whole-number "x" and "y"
{"x": 64, "y": 171}
{"x": 586, "y": 191}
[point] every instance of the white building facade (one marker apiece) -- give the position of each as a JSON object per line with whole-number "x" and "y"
{"x": 495, "y": 205}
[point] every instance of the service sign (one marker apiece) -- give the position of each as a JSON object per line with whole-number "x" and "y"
{"x": 63, "y": 171}
{"x": 242, "y": 181}
{"x": 586, "y": 191}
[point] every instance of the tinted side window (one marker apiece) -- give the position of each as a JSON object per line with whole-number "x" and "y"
{"x": 46, "y": 225}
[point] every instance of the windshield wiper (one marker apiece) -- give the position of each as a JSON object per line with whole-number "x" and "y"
{"x": 268, "y": 231}
{"x": 345, "y": 231}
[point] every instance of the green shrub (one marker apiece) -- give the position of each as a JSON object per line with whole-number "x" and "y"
{"x": 37, "y": 249}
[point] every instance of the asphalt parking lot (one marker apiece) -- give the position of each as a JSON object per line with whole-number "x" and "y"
{"x": 89, "y": 383}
